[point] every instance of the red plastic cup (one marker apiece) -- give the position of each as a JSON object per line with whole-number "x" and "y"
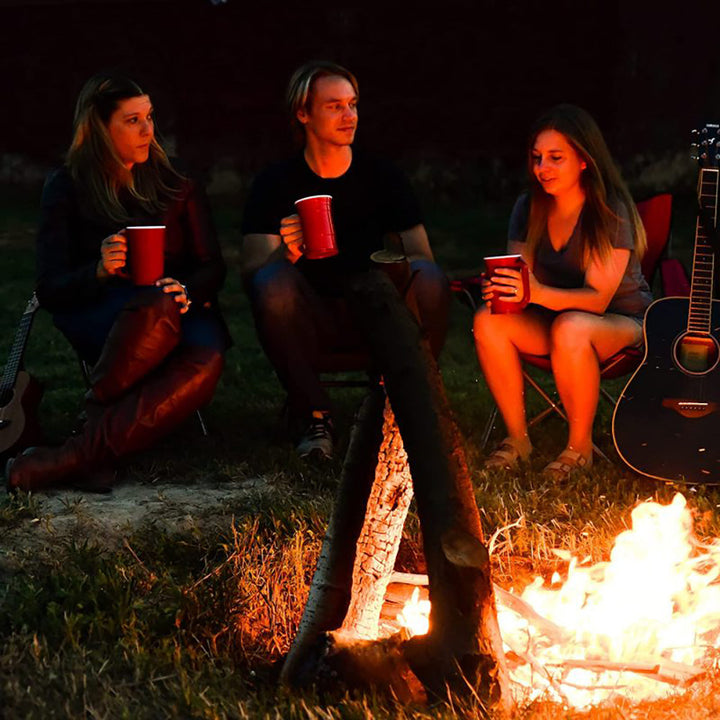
{"x": 146, "y": 253}
{"x": 498, "y": 302}
{"x": 317, "y": 226}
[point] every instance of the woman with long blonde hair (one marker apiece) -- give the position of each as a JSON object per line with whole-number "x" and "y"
{"x": 579, "y": 232}
{"x": 155, "y": 353}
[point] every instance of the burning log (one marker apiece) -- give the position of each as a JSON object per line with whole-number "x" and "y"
{"x": 379, "y": 540}
{"x": 463, "y": 647}
{"x": 331, "y": 586}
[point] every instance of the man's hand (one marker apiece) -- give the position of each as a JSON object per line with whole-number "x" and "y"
{"x": 292, "y": 235}
{"x": 113, "y": 256}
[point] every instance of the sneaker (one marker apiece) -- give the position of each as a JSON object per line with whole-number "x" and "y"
{"x": 317, "y": 440}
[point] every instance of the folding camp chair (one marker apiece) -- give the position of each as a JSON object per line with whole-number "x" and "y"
{"x": 656, "y": 215}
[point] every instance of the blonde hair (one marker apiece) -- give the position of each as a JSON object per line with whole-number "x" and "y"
{"x": 300, "y": 88}
{"x": 95, "y": 165}
{"x": 601, "y": 181}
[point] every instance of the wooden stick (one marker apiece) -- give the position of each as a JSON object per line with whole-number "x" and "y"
{"x": 507, "y": 599}
{"x": 660, "y": 669}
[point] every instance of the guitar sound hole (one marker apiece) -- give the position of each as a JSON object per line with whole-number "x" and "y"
{"x": 696, "y": 354}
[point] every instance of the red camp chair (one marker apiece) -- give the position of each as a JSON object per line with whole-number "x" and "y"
{"x": 656, "y": 214}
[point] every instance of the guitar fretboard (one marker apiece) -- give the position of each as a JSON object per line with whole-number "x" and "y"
{"x": 16, "y": 354}
{"x": 701, "y": 290}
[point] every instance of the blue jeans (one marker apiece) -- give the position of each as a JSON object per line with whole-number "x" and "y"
{"x": 87, "y": 328}
{"x": 295, "y": 325}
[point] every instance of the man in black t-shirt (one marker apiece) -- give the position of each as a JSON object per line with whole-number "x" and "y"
{"x": 299, "y": 304}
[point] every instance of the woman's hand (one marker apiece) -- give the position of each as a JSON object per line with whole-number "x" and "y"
{"x": 292, "y": 235}
{"x": 506, "y": 283}
{"x": 171, "y": 285}
{"x": 113, "y": 256}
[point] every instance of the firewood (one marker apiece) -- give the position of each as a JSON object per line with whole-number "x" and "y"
{"x": 660, "y": 669}
{"x": 379, "y": 540}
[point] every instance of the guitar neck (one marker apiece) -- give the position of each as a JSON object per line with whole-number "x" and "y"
{"x": 16, "y": 353}
{"x": 701, "y": 288}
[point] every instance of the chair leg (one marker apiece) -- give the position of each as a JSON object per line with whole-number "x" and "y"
{"x": 554, "y": 407}
{"x": 203, "y": 427}
{"x": 489, "y": 426}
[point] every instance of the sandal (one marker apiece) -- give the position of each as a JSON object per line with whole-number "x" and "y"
{"x": 505, "y": 457}
{"x": 567, "y": 462}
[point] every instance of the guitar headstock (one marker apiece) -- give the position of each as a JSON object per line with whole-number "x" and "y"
{"x": 33, "y": 304}
{"x": 705, "y": 146}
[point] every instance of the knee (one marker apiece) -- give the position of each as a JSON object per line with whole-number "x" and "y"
{"x": 274, "y": 289}
{"x": 570, "y": 332}
{"x": 157, "y": 306}
{"x": 429, "y": 282}
{"x": 487, "y": 328}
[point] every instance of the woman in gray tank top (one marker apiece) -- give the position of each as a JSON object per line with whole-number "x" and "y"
{"x": 579, "y": 232}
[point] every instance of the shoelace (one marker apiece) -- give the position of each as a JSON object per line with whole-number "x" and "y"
{"x": 318, "y": 429}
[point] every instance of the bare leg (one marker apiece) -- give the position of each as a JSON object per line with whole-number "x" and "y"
{"x": 580, "y": 342}
{"x": 499, "y": 340}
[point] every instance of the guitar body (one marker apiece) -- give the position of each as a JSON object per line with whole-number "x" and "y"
{"x": 666, "y": 424}
{"x": 19, "y": 426}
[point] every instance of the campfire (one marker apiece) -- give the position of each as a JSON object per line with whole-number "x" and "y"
{"x": 639, "y": 626}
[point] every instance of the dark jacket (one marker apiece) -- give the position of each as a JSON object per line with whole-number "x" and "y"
{"x": 69, "y": 239}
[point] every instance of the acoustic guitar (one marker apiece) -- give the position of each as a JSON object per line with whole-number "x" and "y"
{"x": 20, "y": 393}
{"x": 666, "y": 424}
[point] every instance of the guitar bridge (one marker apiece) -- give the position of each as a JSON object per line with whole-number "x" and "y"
{"x": 690, "y": 408}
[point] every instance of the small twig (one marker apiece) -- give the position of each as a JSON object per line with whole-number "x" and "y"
{"x": 150, "y": 574}
{"x": 548, "y": 628}
{"x": 408, "y": 578}
{"x": 538, "y": 667}
{"x": 499, "y": 531}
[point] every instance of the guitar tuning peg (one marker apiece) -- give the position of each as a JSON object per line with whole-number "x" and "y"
{"x": 694, "y": 131}
{"x": 704, "y": 131}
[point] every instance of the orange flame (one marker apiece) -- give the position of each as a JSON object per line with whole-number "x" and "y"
{"x": 639, "y": 625}
{"x": 415, "y": 615}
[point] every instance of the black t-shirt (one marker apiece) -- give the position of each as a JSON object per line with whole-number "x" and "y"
{"x": 371, "y": 199}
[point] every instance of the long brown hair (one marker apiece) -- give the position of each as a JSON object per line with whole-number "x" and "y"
{"x": 601, "y": 181}
{"x": 95, "y": 165}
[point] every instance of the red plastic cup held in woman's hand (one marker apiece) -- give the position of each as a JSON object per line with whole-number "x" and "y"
{"x": 317, "y": 226}
{"x": 146, "y": 253}
{"x": 499, "y": 303}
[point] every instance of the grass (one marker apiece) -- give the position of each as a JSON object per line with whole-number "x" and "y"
{"x": 193, "y": 620}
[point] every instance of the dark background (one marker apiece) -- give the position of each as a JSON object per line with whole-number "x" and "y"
{"x": 452, "y": 85}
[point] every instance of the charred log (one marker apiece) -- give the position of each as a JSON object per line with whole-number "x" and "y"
{"x": 379, "y": 540}
{"x": 463, "y": 647}
{"x": 331, "y": 585}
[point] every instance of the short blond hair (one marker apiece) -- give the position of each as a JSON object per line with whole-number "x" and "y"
{"x": 300, "y": 88}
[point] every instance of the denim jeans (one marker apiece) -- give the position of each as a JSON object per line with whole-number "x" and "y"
{"x": 295, "y": 325}
{"x": 87, "y": 328}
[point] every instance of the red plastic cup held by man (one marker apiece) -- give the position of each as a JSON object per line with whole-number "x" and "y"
{"x": 317, "y": 226}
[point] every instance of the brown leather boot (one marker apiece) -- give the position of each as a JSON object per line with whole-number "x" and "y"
{"x": 145, "y": 332}
{"x": 135, "y": 422}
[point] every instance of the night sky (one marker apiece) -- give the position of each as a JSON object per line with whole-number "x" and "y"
{"x": 458, "y": 83}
